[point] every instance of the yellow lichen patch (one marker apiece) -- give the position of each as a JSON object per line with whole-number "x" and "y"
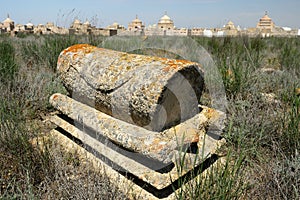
{"x": 86, "y": 48}
{"x": 187, "y": 135}
{"x": 157, "y": 145}
{"x": 168, "y": 68}
{"x": 209, "y": 112}
{"x": 184, "y": 62}
{"x": 176, "y": 64}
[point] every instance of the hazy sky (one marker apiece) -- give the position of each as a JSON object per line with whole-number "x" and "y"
{"x": 185, "y": 13}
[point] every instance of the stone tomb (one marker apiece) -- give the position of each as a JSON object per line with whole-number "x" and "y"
{"x": 139, "y": 115}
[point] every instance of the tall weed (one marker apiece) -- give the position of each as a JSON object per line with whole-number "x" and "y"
{"x": 8, "y": 67}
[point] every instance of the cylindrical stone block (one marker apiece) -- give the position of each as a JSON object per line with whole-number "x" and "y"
{"x": 152, "y": 92}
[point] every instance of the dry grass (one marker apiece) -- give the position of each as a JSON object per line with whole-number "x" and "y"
{"x": 262, "y": 133}
{"x": 49, "y": 172}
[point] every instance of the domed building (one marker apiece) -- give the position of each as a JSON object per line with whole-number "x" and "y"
{"x": 230, "y": 29}
{"x": 230, "y": 26}
{"x": 113, "y": 26}
{"x": 87, "y": 24}
{"x": 265, "y": 23}
{"x": 50, "y": 25}
{"x": 116, "y": 27}
{"x": 29, "y": 26}
{"x": 76, "y": 24}
{"x": 165, "y": 23}
{"x": 136, "y": 25}
{"x": 19, "y": 28}
{"x": 80, "y": 28}
{"x": 8, "y": 24}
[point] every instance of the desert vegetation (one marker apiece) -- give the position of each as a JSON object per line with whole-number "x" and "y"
{"x": 260, "y": 75}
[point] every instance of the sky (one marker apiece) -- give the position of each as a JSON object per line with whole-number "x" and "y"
{"x": 184, "y": 13}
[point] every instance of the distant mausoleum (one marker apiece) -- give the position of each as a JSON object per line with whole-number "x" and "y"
{"x": 265, "y": 25}
{"x": 230, "y": 29}
{"x": 165, "y": 23}
{"x": 79, "y": 28}
{"x": 136, "y": 26}
{"x": 7, "y": 26}
{"x": 265, "y": 28}
{"x": 165, "y": 26}
{"x": 117, "y": 27}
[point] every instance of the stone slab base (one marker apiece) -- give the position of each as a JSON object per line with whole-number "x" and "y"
{"x": 138, "y": 176}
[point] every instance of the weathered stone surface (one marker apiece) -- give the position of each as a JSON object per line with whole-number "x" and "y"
{"x": 151, "y": 92}
{"x": 159, "y": 181}
{"x": 162, "y": 146}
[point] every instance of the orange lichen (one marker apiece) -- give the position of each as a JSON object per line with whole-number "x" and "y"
{"x": 55, "y": 96}
{"x": 183, "y": 61}
{"x": 75, "y": 56}
{"x": 79, "y": 47}
{"x": 210, "y": 113}
{"x": 175, "y": 64}
{"x": 192, "y": 135}
{"x": 157, "y": 145}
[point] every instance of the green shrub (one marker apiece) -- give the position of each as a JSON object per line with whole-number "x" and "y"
{"x": 46, "y": 49}
{"x": 289, "y": 56}
{"x": 8, "y": 67}
{"x": 290, "y": 139}
{"x": 23, "y": 167}
{"x": 223, "y": 180}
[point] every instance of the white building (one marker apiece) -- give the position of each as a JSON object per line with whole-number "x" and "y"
{"x": 8, "y": 25}
{"x": 207, "y": 33}
{"x": 165, "y": 23}
{"x": 136, "y": 25}
{"x": 220, "y": 34}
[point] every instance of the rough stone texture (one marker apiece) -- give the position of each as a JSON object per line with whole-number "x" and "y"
{"x": 161, "y": 146}
{"x": 151, "y": 92}
{"x": 146, "y": 105}
{"x": 134, "y": 191}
